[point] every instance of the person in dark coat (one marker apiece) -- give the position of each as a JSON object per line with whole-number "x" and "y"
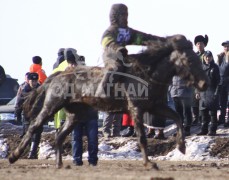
{"x": 223, "y": 63}
{"x": 35, "y": 141}
{"x": 60, "y": 58}
{"x": 182, "y": 98}
{"x": 209, "y": 99}
{"x": 200, "y": 43}
{"x": 114, "y": 40}
{"x": 18, "y": 113}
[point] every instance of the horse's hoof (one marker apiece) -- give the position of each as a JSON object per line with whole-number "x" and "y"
{"x": 59, "y": 166}
{"x": 12, "y": 159}
{"x": 151, "y": 165}
{"x": 154, "y": 166}
{"x": 182, "y": 148}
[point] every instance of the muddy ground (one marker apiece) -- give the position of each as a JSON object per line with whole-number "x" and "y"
{"x": 112, "y": 169}
{"x": 155, "y": 147}
{"x": 116, "y": 169}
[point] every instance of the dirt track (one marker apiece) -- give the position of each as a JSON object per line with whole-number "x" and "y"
{"x": 25, "y": 169}
{"x": 45, "y": 169}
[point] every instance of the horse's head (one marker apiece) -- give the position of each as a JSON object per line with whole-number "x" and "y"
{"x": 187, "y": 63}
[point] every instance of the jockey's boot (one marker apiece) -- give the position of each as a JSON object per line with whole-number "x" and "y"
{"x": 101, "y": 89}
{"x": 109, "y": 79}
{"x": 213, "y": 126}
{"x": 33, "y": 151}
{"x": 130, "y": 132}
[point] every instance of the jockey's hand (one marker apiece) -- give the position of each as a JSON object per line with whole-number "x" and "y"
{"x": 124, "y": 52}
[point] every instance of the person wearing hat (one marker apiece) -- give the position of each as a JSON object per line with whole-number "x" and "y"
{"x": 114, "y": 41}
{"x": 60, "y": 58}
{"x": 200, "y": 43}
{"x": 30, "y": 86}
{"x": 18, "y": 113}
{"x": 209, "y": 99}
{"x": 71, "y": 58}
{"x": 223, "y": 63}
{"x": 36, "y": 67}
{"x": 89, "y": 123}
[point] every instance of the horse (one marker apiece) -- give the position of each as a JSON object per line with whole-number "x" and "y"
{"x": 142, "y": 88}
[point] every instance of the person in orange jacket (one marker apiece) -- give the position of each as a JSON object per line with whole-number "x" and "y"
{"x": 36, "y": 67}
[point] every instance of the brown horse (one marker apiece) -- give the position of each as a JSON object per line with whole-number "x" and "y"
{"x": 142, "y": 88}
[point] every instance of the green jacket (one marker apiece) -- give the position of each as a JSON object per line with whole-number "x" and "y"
{"x": 60, "y": 115}
{"x": 62, "y": 66}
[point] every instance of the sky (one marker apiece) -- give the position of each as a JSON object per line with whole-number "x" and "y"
{"x": 40, "y": 27}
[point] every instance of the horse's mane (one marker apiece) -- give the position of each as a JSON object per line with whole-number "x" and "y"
{"x": 157, "y": 50}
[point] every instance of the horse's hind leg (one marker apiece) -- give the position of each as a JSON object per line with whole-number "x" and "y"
{"x": 137, "y": 115}
{"x": 63, "y": 132}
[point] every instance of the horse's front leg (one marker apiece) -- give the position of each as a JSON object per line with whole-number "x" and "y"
{"x": 38, "y": 122}
{"x": 60, "y": 137}
{"x": 137, "y": 115}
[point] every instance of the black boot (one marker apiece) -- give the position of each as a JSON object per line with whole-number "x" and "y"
{"x": 33, "y": 151}
{"x": 187, "y": 131}
{"x": 160, "y": 134}
{"x": 33, "y": 154}
{"x": 130, "y": 132}
{"x": 226, "y": 124}
{"x": 196, "y": 119}
{"x": 134, "y": 134}
{"x": 25, "y": 127}
{"x": 150, "y": 133}
{"x": 221, "y": 120}
{"x": 213, "y": 126}
{"x": 204, "y": 126}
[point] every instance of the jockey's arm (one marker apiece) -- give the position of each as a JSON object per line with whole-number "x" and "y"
{"x": 141, "y": 38}
{"x": 109, "y": 41}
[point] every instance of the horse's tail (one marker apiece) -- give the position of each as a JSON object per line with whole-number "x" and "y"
{"x": 34, "y": 102}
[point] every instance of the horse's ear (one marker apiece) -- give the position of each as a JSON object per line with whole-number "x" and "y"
{"x": 179, "y": 42}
